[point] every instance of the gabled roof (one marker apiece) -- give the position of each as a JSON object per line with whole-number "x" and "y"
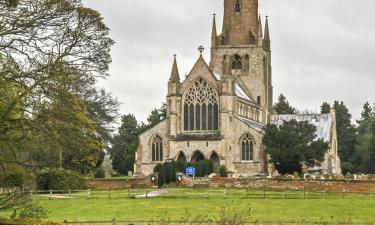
{"x": 239, "y": 91}
{"x": 323, "y": 123}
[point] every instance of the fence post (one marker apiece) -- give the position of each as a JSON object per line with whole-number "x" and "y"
{"x": 114, "y": 222}
{"x": 146, "y": 193}
{"x": 128, "y": 192}
{"x": 109, "y": 193}
{"x": 264, "y": 192}
{"x": 89, "y": 194}
{"x": 304, "y": 192}
{"x": 65, "y": 221}
{"x": 70, "y": 192}
{"x": 50, "y": 193}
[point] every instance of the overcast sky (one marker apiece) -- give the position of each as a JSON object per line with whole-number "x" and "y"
{"x": 322, "y": 49}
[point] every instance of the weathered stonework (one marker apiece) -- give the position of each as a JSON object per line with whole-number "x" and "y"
{"x": 219, "y": 111}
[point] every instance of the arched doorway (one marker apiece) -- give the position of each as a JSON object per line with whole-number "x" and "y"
{"x": 181, "y": 157}
{"x": 197, "y": 156}
{"x": 214, "y": 158}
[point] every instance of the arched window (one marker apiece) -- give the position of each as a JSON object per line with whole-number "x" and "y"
{"x": 247, "y": 148}
{"x": 201, "y": 107}
{"x": 236, "y": 63}
{"x": 237, "y": 6}
{"x": 157, "y": 149}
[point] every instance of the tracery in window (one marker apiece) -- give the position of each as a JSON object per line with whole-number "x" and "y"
{"x": 247, "y": 148}
{"x": 201, "y": 107}
{"x": 157, "y": 149}
{"x": 236, "y": 63}
{"x": 237, "y": 6}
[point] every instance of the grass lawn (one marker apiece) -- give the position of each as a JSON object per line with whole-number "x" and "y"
{"x": 351, "y": 208}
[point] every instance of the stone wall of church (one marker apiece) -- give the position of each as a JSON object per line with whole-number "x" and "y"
{"x": 207, "y": 148}
{"x": 234, "y": 162}
{"x": 253, "y": 78}
{"x": 144, "y": 157}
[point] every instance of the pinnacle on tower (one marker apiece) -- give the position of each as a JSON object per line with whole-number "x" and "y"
{"x": 260, "y": 28}
{"x": 214, "y": 33}
{"x": 267, "y": 39}
{"x": 175, "y": 77}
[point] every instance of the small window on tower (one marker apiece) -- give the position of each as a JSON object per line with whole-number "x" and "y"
{"x": 236, "y": 63}
{"x": 237, "y": 6}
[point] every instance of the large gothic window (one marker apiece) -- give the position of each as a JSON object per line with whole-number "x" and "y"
{"x": 247, "y": 148}
{"x": 201, "y": 107}
{"x": 237, "y": 6}
{"x": 157, "y": 149}
{"x": 236, "y": 63}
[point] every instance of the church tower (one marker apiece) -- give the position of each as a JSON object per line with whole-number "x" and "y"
{"x": 243, "y": 52}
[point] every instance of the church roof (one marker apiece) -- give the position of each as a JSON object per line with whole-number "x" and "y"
{"x": 254, "y": 124}
{"x": 241, "y": 93}
{"x": 238, "y": 91}
{"x": 323, "y": 123}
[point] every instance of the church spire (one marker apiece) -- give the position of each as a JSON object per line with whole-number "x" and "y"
{"x": 267, "y": 39}
{"x": 175, "y": 77}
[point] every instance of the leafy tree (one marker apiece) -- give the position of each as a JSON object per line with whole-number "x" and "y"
{"x": 20, "y": 206}
{"x": 49, "y": 47}
{"x": 293, "y": 143}
{"x": 283, "y": 107}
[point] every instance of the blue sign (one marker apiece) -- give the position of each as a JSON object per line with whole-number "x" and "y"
{"x": 190, "y": 171}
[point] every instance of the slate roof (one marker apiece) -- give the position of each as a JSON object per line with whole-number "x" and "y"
{"x": 254, "y": 124}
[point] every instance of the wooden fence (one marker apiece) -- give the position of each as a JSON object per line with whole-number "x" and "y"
{"x": 162, "y": 222}
{"x": 260, "y": 193}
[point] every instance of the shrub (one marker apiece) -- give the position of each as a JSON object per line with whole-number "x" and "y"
{"x": 15, "y": 178}
{"x": 59, "y": 179}
{"x": 223, "y": 172}
{"x": 99, "y": 173}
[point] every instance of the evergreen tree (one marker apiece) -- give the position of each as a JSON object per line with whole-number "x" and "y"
{"x": 283, "y": 107}
{"x": 325, "y": 108}
{"x": 346, "y": 134}
{"x": 367, "y": 111}
{"x": 293, "y": 143}
{"x": 125, "y": 145}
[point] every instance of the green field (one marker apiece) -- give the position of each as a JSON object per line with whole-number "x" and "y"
{"x": 183, "y": 205}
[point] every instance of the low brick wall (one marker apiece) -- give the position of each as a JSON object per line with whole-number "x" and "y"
{"x": 282, "y": 184}
{"x": 105, "y": 184}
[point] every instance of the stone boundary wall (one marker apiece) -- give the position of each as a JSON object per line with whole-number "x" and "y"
{"x": 284, "y": 184}
{"x": 270, "y": 184}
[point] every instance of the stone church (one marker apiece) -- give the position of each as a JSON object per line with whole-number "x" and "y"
{"x": 219, "y": 111}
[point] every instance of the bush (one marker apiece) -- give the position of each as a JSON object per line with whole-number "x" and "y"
{"x": 15, "y": 178}
{"x": 59, "y": 179}
{"x": 99, "y": 173}
{"x": 223, "y": 172}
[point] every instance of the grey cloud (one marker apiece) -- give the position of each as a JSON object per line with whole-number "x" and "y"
{"x": 322, "y": 50}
